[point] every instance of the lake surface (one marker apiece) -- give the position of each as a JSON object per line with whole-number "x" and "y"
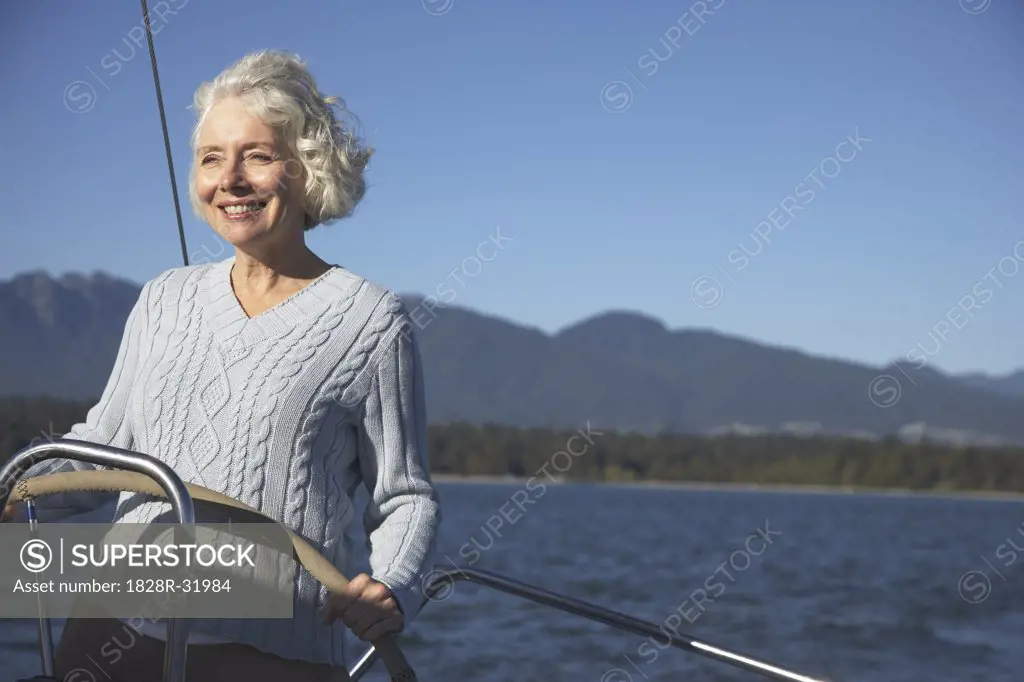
{"x": 850, "y": 587}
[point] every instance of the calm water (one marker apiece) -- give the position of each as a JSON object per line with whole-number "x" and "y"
{"x": 851, "y": 587}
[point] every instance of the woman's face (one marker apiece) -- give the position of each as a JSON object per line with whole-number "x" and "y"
{"x": 250, "y": 187}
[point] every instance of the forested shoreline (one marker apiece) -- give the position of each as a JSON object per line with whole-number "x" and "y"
{"x": 592, "y": 453}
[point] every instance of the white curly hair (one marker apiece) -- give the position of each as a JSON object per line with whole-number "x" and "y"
{"x": 280, "y": 91}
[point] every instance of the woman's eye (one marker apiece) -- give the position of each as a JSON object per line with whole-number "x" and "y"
{"x": 209, "y": 159}
{"x": 261, "y": 157}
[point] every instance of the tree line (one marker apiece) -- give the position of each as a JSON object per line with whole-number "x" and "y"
{"x": 592, "y": 453}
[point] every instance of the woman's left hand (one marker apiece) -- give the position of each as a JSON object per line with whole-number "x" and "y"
{"x": 367, "y": 607}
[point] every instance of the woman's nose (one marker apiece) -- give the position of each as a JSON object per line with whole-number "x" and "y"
{"x": 232, "y": 176}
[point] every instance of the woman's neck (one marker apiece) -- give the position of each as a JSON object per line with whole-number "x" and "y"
{"x": 277, "y": 274}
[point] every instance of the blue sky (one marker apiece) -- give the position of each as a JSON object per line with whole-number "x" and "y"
{"x": 656, "y": 156}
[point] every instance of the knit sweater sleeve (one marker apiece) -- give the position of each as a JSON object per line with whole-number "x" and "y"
{"x": 403, "y": 513}
{"x": 106, "y": 423}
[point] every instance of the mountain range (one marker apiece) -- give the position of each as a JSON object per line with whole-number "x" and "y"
{"x": 619, "y": 370}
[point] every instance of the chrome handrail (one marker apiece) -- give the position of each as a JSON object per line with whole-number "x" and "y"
{"x": 176, "y": 653}
{"x": 442, "y": 577}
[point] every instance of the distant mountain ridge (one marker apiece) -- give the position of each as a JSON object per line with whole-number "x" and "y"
{"x": 622, "y": 370}
{"x": 1010, "y": 384}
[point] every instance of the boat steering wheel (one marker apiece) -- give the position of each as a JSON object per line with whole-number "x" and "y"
{"x": 127, "y": 481}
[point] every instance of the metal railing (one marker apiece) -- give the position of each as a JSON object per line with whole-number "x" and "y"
{"x": 445, "y": 578}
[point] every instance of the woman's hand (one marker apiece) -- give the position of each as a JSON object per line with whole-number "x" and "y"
{"x": 367, "y": 607}
{"x": 8, "y": 512}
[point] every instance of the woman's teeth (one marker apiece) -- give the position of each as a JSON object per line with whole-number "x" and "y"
{"x": 244, "y": 208}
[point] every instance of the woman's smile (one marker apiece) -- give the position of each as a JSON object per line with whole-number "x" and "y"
{"x": 243, "y": 210}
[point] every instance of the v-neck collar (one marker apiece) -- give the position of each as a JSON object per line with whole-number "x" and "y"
{"x": 233, "y": 327}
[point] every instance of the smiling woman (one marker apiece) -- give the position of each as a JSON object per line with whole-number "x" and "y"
{"x": 276, "y": 378}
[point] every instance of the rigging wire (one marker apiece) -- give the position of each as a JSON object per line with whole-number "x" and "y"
{"x": 163, "y": 124}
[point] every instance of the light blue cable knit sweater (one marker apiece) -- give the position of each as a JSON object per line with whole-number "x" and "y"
{"x": 288, "y": 412}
